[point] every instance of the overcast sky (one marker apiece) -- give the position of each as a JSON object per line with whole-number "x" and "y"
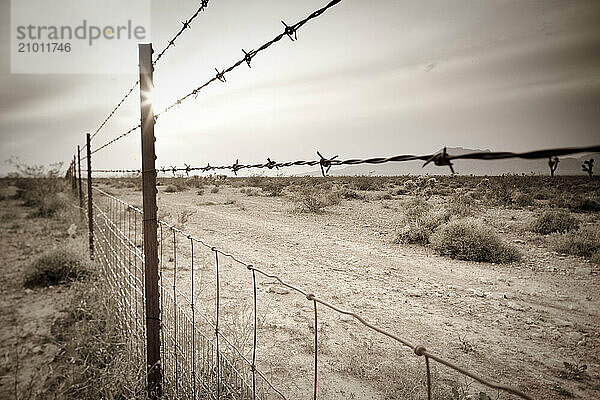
{"x": 366, "y": 78}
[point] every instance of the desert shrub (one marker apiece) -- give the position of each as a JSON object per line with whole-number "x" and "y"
{"x": 171, "y": 189}
{"x": 461, "y": 205}
{"x": 469, "y": 239}
{"x": 554, "y": 221}
{"x": 39, "y": 187}
{"x": 584, "y": 242}
{"x": 215, "y": 189}
{"x": 50, "y": 207}
{"x": 523, "y": 199}
{"x": 541, "y": 195}
{"x": 577, "y": 203}
{"x": 57, "y": 266}
{"x": 255, "y": 181}
{"x": 419, "y": 229}
{"x": 315, "y": 201}
{"x": 501, "y": 192}
{"x": 349, "y": 194}
{"x": 273, "y": 189}
{"x": 584, "y": 204}
{"x": 595, "y": 258}
{"x": 420, "y": 220}
{"x": 364, "y": 183}
{"x": 415, "y": 208}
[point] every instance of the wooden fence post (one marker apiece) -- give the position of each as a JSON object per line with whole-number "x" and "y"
{"x": 74, "y": 177}
{"x": 79, "y": 180}
{"x": 150, "y": 223}
{"x": 89, "y": 188}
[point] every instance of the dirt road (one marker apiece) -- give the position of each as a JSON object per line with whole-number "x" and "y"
{"x": 516, "y": 324}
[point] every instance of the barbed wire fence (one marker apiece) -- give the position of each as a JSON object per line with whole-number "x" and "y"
{"x": 199, "y": 355}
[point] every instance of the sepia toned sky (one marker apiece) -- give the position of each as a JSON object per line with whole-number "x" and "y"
{"x": 364, "y": 79}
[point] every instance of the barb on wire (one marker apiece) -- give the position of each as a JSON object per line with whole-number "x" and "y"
{"x": 289, "y": 30}
{"x": 441, "y": 158}
{"x": 187, "y": 24}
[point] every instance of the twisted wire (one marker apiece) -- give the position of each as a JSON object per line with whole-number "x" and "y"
{"x": 289, "y": 30}
{"x": 186, "y": 25}
{"x": 441, "y": 158}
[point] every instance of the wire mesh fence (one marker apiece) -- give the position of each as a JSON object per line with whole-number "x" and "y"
{"x": 198, "y": 359}
{"x": 212, "y": 323}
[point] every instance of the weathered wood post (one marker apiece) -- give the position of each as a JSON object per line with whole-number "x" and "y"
{"x": 150, "y": 223}
{"x": 89, "y": 189}
{"x": 79, "y": 180}
{"x": 73, "y": 176}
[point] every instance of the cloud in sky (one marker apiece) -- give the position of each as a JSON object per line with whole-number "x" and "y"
{"x": 365, "y": 78}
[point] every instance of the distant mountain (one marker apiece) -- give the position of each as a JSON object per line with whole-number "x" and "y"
{"x": 566, "y": 166}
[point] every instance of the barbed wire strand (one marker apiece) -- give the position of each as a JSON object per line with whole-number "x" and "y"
{"x": 187, "y": 24}
{"x": 114, "y": 110}
{"x": 441, "y": 158}
{"x": 170, "y": 43}
{"x": 289, "y": 30}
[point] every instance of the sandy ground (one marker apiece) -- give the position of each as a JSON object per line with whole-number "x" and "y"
{"x": 516, "y": 324}
{"x": 27, "y": 346}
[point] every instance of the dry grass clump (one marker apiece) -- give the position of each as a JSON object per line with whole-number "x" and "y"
{"x": 584, "y": 204}
{"x": 365, "y": 183}
{"x": 418, "y": 229}
{"x": 421, "y": 219}
{"x": 395, "y": 377}
{"x": 350, "y": 194}
{"x": 96, "y": 359}
{"x": 58, "y": 266}
{"x": 584, "y": 242}
{"x": 273, "y": 189}
{"x": 521, "y": 199}
{"x": 577, "y": 203}
{"x": 315, "y": 200}
{"x": 40, "y": 187}
{"x": 554, "y": 221}
{"x": 469, "y": 239}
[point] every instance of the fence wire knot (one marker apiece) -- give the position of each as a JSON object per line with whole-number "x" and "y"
{"x": 310, "y": 296}
{"x": 441, "y": 159}
{"x": 325, "y": 163}
{"x": 420, "y": 350}
{"x": 250, "y": 267}
{"x": 187, "y": 171}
